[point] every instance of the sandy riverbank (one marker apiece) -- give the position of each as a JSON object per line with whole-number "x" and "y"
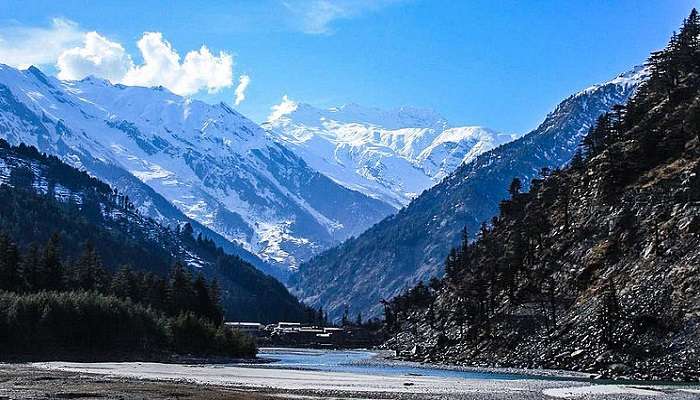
{"x": 159, "y": 381}
{"x": 21, "y": 381}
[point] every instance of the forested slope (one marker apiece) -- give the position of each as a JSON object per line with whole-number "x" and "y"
{"x": 597, "y": 267}
{"x": 41, "y": 196}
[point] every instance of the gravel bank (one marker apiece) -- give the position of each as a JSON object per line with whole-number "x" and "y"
{"x": 159, "y": 381}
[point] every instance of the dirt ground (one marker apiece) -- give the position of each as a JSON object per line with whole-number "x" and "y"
{"x": 19, "y": 382}
{"x": 24, "y": 381}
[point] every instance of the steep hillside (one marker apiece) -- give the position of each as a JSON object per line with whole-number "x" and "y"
{"x": 595, "y": 269}
{"x": 41, "y": 195}
{"x": 389, "y": 155}
{"x": 411, "y": 246}
{"x": 209, "y": 162}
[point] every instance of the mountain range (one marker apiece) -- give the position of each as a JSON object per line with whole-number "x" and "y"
{"x": 283, "y": 194}
{"x": 182, "y": 160}
{"x": 411, "y": 246}
{"x": 276, "y": 195}
{"x": 390, "y": 155}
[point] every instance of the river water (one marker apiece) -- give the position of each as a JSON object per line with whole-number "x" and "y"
{"x": 364, "y": 362}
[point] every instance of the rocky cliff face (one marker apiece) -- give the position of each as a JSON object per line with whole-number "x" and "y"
{"x": 411, "y": 246}
{"x": 596, "y": 268}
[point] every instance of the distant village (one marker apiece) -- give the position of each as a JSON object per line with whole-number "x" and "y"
{"x": 294, "y": 334}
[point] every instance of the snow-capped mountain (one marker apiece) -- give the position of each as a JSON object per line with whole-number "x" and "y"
{"x": 412, "y": 245}
{"x": 391, "y": 155}
{"x": 213, "y": 164}
{"x": 41, "y": 195}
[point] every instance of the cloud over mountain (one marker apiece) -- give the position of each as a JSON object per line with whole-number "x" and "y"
{"x": 97, "y": 56}
{"x": 243, "y": 83}
{"x": 199, "y": 70}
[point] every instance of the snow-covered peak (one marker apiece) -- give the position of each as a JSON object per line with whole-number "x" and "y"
{"x": 630, "y": 79}
{"x": 398, "y": 118}
{"x": 159, "y": 111}
{"x": 290, "y": 111}
{"x": 392, "y": 155}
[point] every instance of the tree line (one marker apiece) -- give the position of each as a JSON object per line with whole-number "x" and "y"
{"x": 50, "y": 304}
{"x": 43, "y": 268}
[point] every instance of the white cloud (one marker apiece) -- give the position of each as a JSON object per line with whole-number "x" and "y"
{"x": 161, "y": 64}
{"x": 200, "y": 69}
{"x": 317, "y": 16}
{"x": 98, "y": 56}
{"x": 285, "y": 107}
{"x": 78, "y": 54}
{"x": 22, "y": 46}
{"x": 243, "y": 83}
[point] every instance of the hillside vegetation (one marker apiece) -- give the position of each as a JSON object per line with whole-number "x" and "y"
{"x": 84, "y": 275}
{"x": 597, "y": 267}
{"x": 41, "y": 196}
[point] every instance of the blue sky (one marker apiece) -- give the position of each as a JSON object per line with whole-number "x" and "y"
{"x": 502, "y": 64}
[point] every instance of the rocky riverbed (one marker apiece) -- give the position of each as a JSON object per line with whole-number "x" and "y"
{"x": 306, "y": 374}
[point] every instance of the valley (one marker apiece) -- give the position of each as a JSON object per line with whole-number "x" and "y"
{"x": 167, "y": 232}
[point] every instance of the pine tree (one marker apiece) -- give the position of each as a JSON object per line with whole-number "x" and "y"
{"x": 51, "y": 269}
{"x": 180, "y": 292}
{"x": 451, "y": 266}
{"x": 594, "y": 141}
{"x": 358, "y": 319}
{"x": 217, "y": 313}
{"x": 10, "y": 274}
{"x": 124, "y": 284}
{"x": 686, "y": 44}
{"x": 203, "y": 301}
{"x": 515, "y": 186}
{"x": 89, "y": 274}
{"x": 187, "y": 230}
{"x": 31, "y": 276}
{"x": 346, "y": 316}
{"x": 389, "y": 315}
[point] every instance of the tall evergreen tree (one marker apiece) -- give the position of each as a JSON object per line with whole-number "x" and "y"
{"x": 515, "y": 187}
{"x": 89, "y": 274}
{"x": 10, "y": 274}
{"x": 51, "y": 270}
{"x": 180, "y": 291}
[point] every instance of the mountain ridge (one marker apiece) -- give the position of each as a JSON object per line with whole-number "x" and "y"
{"x": 595, "y": 268}
{"x": 43, "y": 195}
{"x": 391, "y": 155}
{"x": 409, "y": 246}
{"x": 214, "y": 165}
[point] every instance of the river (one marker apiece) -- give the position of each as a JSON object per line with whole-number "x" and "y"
{"x": 306, "y": 373}
{"x": 365, "y": 362}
